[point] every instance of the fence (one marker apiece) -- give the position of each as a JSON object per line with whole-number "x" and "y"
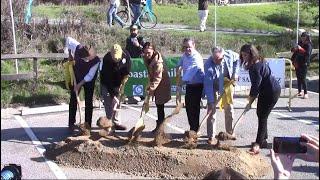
{"x": 138, "y": 75}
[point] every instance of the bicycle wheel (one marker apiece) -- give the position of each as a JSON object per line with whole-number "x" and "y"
{"x": 148, "y": 20}
{"x": 123, "y": 15}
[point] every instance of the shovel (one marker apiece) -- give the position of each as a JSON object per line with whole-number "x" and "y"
{"x": 107, "y": 130}
{"x": 190, "y": 144}
{"x": 139, "y": 126}
{"x": 77, "y": 96}
{"x": 226, "y": 136}
{"x": 160, "y": 134}
{"x": 209, "y": 113}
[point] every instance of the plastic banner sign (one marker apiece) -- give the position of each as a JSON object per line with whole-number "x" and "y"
{"x": 277, "y": 67}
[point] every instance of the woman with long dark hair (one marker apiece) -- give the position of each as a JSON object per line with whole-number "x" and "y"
{"x": 301, "y": 60}
{"x": 159, "y": 82}
{"x": 264, "y": 86}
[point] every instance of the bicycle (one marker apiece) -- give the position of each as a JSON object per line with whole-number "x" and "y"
{"x": 146, "y": 19}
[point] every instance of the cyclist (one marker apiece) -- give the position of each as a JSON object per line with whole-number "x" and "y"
{"x": 135, "y": 6}
{"x": 112, "y": 13}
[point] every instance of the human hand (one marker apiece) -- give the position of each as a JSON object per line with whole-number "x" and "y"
{"x": 76, "y": 88}
{"x": 312, "y": 145}
{"x": 136, "y": 43}
{"x": 281, "y": 164}
{"x": 150, "y": 92}
{"x": 233, "y": 81}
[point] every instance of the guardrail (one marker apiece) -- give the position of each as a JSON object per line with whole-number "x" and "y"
{"x": 31, "y": 56}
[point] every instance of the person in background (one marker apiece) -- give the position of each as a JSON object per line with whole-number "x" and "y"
{"x": 135, "y": 6}
{"x": 264, "y": 86}
{"x": 191, "y": 64}
{"x": 282, "y": 163}
{"x": 112, "y": 13}
{"x": 134, "y": 44}
{"x": 301, "y": 61}
{"x": 159, "y": 82}
{"x": 114, "y": 72}
{"x": 203, "y": 13}
{"x": 220, "y": 76}
{"x": 85, "y": 71}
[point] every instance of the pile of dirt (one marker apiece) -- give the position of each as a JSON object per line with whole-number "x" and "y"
{"x": 144, "y": 159}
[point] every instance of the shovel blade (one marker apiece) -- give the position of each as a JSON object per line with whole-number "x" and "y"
{"x": 138, "y": 128}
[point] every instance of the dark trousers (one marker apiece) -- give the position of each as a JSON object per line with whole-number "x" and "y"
{"x": 160, "y": 112}
{"x": 264, "y": 106}
{"x": 88, "y": 94}
{"x": 192, "y": 99}
{"x": 301, "y": 74}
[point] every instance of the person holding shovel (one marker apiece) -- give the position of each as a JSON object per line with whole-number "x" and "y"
{"x": 85, "y": 68}
{"x": 114, "y": 73}
{"x": 159, "y": 82}
{"x": 264, "y": 86}
{"x": 191, "y": 65}
{"x": 221, "y": 70}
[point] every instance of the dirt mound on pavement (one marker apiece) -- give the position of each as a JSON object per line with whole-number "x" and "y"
{"x": 142, "y": 159}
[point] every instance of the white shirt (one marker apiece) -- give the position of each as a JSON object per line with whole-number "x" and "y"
{"x": 71, "y": 44}
{"x": 89, "y": 76}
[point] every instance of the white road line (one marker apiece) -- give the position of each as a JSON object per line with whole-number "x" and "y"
{"x": 155, "y": 118}
{"x": 53, "y": 166}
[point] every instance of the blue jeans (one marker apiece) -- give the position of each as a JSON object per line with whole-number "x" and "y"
{"x": 112, "y": 14}
{"x": 136, "y": 10}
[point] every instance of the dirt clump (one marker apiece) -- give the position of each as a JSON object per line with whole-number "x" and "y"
{"x": 225, "y": 136}
{"x": 168, "y": 161}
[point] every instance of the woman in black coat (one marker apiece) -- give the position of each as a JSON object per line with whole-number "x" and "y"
{"x": 301, "y": 60}
{"x": 264, "y": 86}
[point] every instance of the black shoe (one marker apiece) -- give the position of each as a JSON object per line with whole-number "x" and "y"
{"x": 156, "y": 128}
{"x": 120, "y": 127}
{"x": 264, "y": 144}
{"x": 72, "y": 127}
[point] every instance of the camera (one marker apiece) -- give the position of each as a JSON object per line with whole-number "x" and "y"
{"x": 11, "y": 171}
{"x": 289, "y": 145}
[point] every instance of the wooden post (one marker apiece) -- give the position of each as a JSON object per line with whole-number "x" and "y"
{"x": 35, "y": 73}
{"x": 35, "y": 68}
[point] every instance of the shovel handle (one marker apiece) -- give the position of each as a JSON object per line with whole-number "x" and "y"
{"x": 210, "y": 112}
{"x": 77, "y": 94}
{"x": 239, "y": 119}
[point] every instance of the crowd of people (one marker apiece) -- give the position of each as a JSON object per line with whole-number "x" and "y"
{"x": 210, "y": 79}
{"x": 216, "y": 77}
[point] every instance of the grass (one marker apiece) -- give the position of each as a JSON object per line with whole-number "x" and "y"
{"x": 269, "y": 17}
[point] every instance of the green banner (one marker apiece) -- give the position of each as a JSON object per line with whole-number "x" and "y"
{"x": 137, "y": 82}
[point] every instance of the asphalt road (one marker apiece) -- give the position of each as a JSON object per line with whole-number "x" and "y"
{"x": 24, "y": 138}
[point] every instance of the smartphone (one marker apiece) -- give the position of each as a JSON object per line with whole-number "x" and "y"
{"x": 288, "y": 145}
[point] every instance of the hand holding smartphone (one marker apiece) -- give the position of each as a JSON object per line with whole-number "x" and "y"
{"x": 289, "y": 145}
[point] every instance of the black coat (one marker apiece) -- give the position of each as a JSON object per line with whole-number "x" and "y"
{"x": 112, "y": 73}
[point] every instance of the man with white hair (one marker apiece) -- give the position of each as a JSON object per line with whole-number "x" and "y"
{"x": 221, "y": 70}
